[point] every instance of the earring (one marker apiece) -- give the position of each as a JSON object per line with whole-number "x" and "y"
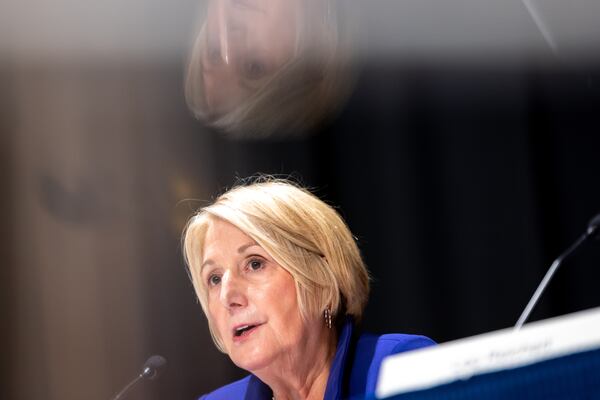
{"x": 328, "y": 317}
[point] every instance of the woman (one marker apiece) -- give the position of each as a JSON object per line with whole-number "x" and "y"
{"x": 262, "y": 68}
{"x": 282, "y": 283}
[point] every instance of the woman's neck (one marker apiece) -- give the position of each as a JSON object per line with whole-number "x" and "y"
{"x": 312, "y": 388}
{"x": 303, "y": 375}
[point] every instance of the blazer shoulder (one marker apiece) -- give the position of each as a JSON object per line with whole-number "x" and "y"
{"x": 380, "y": 346}
{"x": 370, "y": 352}
{"x": 402, "y": 342}
{"x": 234, "y": 390}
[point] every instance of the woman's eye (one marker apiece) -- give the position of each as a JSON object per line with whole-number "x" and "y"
{"x": 254, "y": 70}
{"x": 255, "y": 265}
{"x": 214, "y": 280}
{"x": 213, "y": 55}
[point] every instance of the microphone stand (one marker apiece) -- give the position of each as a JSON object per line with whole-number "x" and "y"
{"x": 591, "y": 232}
{"x": 127, "y": 388}
{"x": 150, "y": 370}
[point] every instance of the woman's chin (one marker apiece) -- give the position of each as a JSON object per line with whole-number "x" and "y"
{"x": 254, "y": 360}
{"x": 253, "y": 351}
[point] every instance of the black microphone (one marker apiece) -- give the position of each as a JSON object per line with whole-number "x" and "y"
{"x": 151, "y": 369}
{"x": 592, "y": 232}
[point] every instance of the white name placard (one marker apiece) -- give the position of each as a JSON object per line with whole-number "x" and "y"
{"x": 490, "y": 352}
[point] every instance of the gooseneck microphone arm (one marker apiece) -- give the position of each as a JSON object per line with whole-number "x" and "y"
{"x": 127, "y": 388}
{"x": 593, "y": 230}
{"x": 150, "y": 370}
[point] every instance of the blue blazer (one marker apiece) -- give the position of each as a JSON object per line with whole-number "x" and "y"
{"x": 353, "y": 373}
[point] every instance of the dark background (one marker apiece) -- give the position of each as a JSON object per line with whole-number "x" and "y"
{"x": 462, "y": 178}
{"x": 461, "y": 183}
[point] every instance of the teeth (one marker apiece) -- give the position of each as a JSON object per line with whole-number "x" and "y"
{"x": 239, "y": 331}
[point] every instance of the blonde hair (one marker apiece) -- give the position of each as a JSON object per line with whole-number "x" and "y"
{"x": 304, "y": 235}
{"x": 297, "y": 97}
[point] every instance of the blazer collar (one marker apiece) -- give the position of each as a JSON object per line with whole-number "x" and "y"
{"x": 335, "y": 383}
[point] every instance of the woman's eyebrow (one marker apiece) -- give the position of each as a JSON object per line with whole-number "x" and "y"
{"x": 243, "y": 247}
{"x": 240, "y": 250}
{"x": 205, "y": 263}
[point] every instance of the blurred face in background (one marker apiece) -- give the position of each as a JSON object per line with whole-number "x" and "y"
{"x": 247, "y": 41}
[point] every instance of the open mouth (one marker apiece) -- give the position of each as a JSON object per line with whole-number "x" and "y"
{"x": 244, "y": 330}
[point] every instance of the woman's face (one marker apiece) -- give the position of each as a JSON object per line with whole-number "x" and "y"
{"x": 252, "y": 303}
{"x": 246, "y": 41}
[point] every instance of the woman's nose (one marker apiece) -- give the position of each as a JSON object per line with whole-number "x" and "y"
{"x": 232, "y": 294}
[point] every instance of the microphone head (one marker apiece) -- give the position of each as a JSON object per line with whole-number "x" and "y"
{"x": 593, "y": 229}
{"x": 153, "y": 366}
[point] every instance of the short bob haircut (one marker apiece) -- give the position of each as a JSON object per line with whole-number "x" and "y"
{"x": 306, "y": 91}
{"x": 307, "y": 237}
